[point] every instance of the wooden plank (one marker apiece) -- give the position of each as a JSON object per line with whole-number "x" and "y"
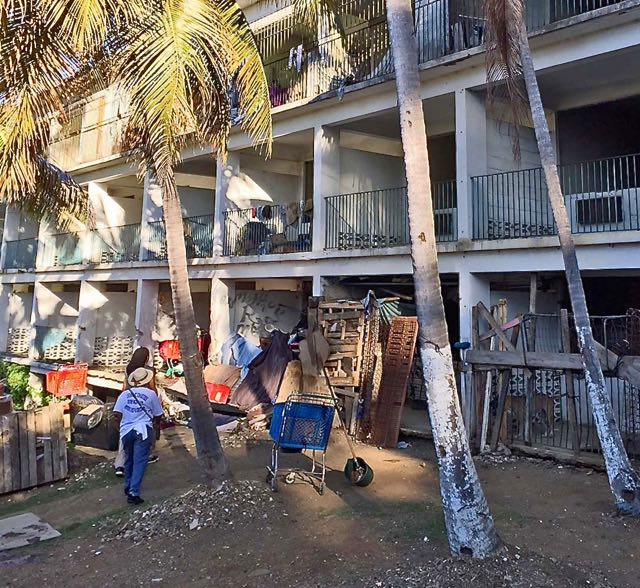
{"x": 23, "y": 449}
{"x": 14, "y": 446}
{"x": 516, "y": 322}
{"x": 495, "y": 326}
{"x": 531, "y": 346}
{"x": 503, "y": 388}
{"x": 475, "y": 327}
{"x": 55, "y": 463}
{"x": 31, "y": 445}
{"x": 43, "y": 431}
{"x": 535, "y": 359}
{"x": 574, "y": 430}
{"x": 62, "y": 441}
{"x": 4, "y": 447}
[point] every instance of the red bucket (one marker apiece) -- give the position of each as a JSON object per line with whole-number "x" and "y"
{"x": 218, "y": 393}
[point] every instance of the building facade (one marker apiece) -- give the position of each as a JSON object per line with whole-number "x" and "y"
{"x": 327, "y": 214}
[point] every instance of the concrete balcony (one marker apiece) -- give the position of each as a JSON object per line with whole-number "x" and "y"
{"x": 380, "y": 218}
{"x": 601, "y": 196}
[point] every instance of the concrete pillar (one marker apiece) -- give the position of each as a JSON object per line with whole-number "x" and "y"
{"x": 225, "y": 172}
{"x": 151, "y": 212}
{"x": 90, "y": 302}
{"x": 5, "y": 293}
{"x": 471, "y": 153}
{"x": 146, "y": 312}
{"x": 318, "y": 285}
{"x": 473, "y": 289}
{"x": 223, "y": 320}
{"x": 39, "y": 290}
{"x": 326, "y": 178}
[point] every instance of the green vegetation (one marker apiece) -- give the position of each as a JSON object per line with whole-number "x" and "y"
{"x": 24, "y": 396}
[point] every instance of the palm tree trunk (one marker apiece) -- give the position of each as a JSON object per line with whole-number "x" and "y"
{"x": 469, "y": 523}
{"x": 209, "y": 450}
{"x": 624, "y": 481}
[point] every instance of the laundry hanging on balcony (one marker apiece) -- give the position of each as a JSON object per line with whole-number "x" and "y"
{"x": 296, "y": 58}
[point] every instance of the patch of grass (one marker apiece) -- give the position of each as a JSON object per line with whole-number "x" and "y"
{"x": 398, "y": 520}
{"x": 81, "y": 528}
{"x": 98, "y": 477}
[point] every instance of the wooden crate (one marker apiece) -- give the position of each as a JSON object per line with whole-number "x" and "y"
{"x": 33, "y": 448}
{"x": 342, "y": 325}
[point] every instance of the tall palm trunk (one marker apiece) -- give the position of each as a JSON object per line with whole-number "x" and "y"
{"x": 469, "y": 523}
{"x": 624, "y": 481}
{"x": 209, "y": 450}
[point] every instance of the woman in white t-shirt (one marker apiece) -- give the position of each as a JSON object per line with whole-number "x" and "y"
{"x": 137, "y": 410}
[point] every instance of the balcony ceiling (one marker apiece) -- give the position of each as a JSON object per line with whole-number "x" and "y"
{"x": 607, "y": 77}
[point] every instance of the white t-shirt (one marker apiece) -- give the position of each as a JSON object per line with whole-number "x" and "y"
{"x": 137, "y": 415}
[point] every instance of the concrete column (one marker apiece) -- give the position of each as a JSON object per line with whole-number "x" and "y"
{"x": 11, "y": 225}
{"x": 151, "y": 212}
{"x": 473, "y": 289}
{"x": 223, "y": 320}
{"x": 146, "y": 312}
{"x": 39, "y": 291}
{"x": 471, "y": 153}
{"x": 318, "y": 286}
{"x": 5, "y": 293}
{"x": 326, "y": 178}
{"x": 225, "y": 172}
{"x": 90, "y": 302}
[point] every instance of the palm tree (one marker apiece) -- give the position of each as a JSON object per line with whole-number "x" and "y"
{"x": 509, "y": 59}
{"x": 469, "y": 523}
{"x": 176, "y": 59}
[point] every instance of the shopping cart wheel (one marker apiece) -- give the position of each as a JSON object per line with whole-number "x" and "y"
{"x": 290, "y": 478}
{"x": 271, "y": 480}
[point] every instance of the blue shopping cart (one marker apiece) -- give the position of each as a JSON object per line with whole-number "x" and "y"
{"x": 302, "y": 423}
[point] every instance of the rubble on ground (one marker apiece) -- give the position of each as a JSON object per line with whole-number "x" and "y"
{"x": 509, "y": 571}
{"x": 234, "y": 503}
{"x": 241, "y": 435}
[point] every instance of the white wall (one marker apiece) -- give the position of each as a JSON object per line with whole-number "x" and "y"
{"x": 196, "y": 201}
{"x": 56, "y": 309}
{"x": 116, "y": 318}
{"x": 112, "y": 211}
{"x": 20, "y": 304}
{"x": 361, "y": 171}
{"x": 165, "y": 328}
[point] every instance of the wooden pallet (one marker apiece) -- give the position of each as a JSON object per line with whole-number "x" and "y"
{"x": 396, "y": 370}
{"x": 33, "y": 448}
{"x": 342, "y": 325}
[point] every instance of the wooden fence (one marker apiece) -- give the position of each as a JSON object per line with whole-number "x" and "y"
{"x": 33, "y": 448}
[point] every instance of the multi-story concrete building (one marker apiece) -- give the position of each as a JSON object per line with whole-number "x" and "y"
{"x": 328, "y": 214}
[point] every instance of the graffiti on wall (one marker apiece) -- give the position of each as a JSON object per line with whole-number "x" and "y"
{"x": 257, "y": 312}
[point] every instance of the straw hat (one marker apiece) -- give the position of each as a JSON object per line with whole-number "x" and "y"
{"x": 140, "y": 377}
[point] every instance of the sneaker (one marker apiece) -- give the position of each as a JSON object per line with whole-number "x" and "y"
{"x": 153, "y": 459}
{"x": 134, "y": 500}
{"x": 120, "y": 472}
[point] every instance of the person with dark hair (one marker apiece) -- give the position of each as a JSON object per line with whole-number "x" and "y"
{"x": 139, "y": 359}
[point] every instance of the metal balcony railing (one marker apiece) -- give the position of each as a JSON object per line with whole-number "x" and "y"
{"x": 198, "y": 236}
{"x": 115, "y": 244}
{"x": 600, "y": 196}
{"x": 20, "y": 254}
{"x": 264, "y": 230}
{"x": 61, "y": 250}
{"x": 380, "y": 218}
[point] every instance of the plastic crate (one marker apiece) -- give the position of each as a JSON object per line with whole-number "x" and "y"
{"x": 302, "y": 425}
{"x": 218, "y": 393}
{"x": 68, "y": 380}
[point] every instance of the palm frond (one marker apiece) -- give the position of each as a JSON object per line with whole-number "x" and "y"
{"x": 317, "y": 14}
{"x": 178, "y": 71}
{"x": 504, "y": 65}
{"x": 36, "y": 65}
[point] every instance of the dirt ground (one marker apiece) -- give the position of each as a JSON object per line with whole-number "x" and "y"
{"x": 557, "y": 522}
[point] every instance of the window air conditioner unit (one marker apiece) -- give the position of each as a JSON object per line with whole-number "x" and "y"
{"x": 607, "y": 209}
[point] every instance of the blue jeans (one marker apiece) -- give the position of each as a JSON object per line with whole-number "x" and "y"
{"x": 136, "y": 457}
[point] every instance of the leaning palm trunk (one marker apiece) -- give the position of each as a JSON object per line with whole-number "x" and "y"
{"x": 624, "y": 481}
{"x": 209, "y": 450}
{"x": 469, "y": 523}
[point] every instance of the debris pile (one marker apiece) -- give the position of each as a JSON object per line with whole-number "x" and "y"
{"x": 512, "y": 571}
{"x": 234, "y": 503}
